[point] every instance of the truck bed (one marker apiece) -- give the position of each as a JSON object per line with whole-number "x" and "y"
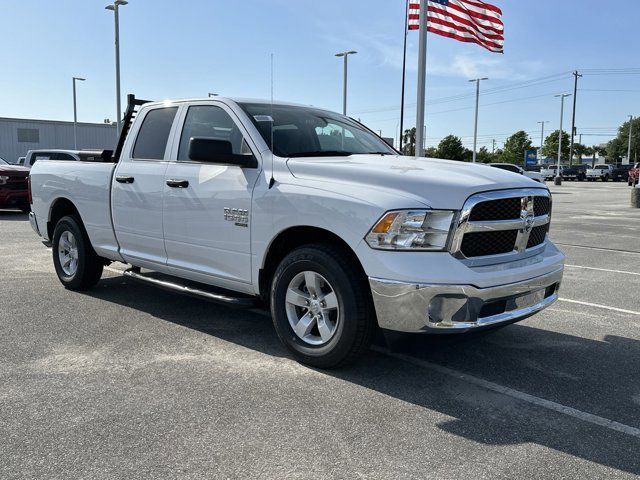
{"x": 88, "y": 185}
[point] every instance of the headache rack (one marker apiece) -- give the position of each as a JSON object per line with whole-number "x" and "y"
{"x": 129, "y": 115}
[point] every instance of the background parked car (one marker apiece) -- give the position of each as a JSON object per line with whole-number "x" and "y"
{"x": 13, "y": 186}
{"x": 634, "y": 175}
{"x": 601, "y": 171}
{"x": 516, "y": 169}
{"x": 575, "y": 172}
{"x": 34, "y": 155}
{"x": 549, "y": 171}
{"x": 621, "y": 172}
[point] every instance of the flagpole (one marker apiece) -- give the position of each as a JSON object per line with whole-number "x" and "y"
{"x": 404, "y": 74}
{"x": 422, "y": 79}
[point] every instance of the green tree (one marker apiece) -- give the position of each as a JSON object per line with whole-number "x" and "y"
{"x": 431, "y": 152}
{"x": 484, "y": 155}
{"x": 515, "y": 146}
{"x": 409, "y": 142}
{"x": 618, "y": 147}
{"x": 451, "y": 148}
{"x": 550, "y": 148}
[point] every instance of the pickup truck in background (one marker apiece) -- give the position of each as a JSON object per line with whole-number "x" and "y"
{"x": 549, "y": 171}
{"x": 35, "y": 155}
{"x": 13, "y": 186}
{"x": 306, "y": 212}
{"x": 634, "y": 175}
{"x": 620, "y": 172}
{"x": 575, "y": 172}
{"x": 600, "y": 172}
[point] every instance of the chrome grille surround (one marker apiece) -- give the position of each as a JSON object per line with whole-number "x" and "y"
{"x": 524, "y": 225}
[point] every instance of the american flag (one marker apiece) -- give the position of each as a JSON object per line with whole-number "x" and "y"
{"x": 472, "y": 21}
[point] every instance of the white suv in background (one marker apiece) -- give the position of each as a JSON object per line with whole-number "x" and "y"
{"x": 519, "y": 170}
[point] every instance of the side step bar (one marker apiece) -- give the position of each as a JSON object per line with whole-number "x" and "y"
{"x": 238, "y": 302}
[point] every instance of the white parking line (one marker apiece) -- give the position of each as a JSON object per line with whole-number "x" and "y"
{"x": 615, "y": 250}
{"x": 525, "y": 397}
{"x": 597, "y": 305}
{"x": 603, "y": 269}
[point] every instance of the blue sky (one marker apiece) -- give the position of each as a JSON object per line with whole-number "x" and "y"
{"x": 177, "y": 49}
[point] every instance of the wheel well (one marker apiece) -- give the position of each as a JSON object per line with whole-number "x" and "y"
{"x": 61, "y": 208}
{"x": 295, "y": 237}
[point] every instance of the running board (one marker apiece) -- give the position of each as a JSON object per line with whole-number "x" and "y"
{"x": 215, "y": 297}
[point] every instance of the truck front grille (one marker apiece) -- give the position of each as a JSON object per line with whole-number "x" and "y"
{"x": 502, "y": 223}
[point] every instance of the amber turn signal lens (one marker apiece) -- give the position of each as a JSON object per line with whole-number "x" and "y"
{"x": 384, "y": 225}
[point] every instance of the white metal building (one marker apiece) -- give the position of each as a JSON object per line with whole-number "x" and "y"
{"x": 18, "y": 136}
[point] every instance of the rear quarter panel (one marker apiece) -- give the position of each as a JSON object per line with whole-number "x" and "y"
{"x": 85, "y": 184}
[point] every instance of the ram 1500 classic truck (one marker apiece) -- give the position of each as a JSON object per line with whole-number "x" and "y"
{"x": 308, "y": 212}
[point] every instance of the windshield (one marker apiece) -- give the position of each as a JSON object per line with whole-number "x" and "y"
{"x": 2, "y": 162}
{"x": 601, "y": 166}
{"x": 310, "y": 132}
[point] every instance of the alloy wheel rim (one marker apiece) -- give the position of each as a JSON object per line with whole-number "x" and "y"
{"x": 312, "y": 308}
{"x": 68, "y": 253}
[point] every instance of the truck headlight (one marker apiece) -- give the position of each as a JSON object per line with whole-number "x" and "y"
{"x": 412, "y": 230}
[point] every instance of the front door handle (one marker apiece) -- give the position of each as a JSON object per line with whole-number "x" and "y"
{"x": 178, "y": 183}
{"x": 122, "y": 179}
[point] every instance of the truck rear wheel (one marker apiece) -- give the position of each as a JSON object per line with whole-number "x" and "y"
{"x": 320, "y": 307}
{"x": 76, "y": 263}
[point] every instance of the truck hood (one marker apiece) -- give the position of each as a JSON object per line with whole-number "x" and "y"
{"x": 13, "y": 170}
{"x": 438, "y": 183}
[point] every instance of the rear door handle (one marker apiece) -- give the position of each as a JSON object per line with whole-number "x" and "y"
{"x": 121, "y": 179}
{"x": 178, "y": 183}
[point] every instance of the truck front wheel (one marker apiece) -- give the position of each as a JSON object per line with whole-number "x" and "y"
{"x": 320, "y": 306}
{"x": 76, "y": 263}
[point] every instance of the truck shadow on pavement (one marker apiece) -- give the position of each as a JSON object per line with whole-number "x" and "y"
{"x": 598, "y": 377}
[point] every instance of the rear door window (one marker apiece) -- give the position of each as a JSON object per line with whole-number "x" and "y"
{"x": 154, "y": 134}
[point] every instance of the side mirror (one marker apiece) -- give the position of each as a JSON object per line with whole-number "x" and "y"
{"x": 210, "y": 150}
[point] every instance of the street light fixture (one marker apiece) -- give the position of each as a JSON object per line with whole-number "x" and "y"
{"x": 346, "y": 68}
{"x": 212, "y": 94}
{"x": 75, "y": 112}
{"x": 115, "y": 8}
{"x": 562, "y": 96}
{"x": 475, "y": 129}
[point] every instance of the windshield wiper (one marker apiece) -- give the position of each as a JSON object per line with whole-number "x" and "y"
{"x": 377, "y": 153}
{"x": 323, "y": 153}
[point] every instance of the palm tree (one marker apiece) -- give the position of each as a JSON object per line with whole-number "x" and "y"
{"x": 409, "y": 142}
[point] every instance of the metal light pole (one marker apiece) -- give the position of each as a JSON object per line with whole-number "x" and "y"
{"x": 346, "y": 69}
{"x": 75, "y": 113}
{"x": 542, "y": 137}
{"x": 475, "y": 128}
{"x": 630, "y": 135}
{"x": 558, "y": 179}
{"x": 422, "y": 80}
{"x": 573, "y": 118}
{"x": 114, "y": 8}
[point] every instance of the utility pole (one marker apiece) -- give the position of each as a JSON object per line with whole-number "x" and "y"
{"x": 558, "y": 179}
{"x": 630, "y": 135}
{"x": 346, "y": 69}
{"x": 573, "y": 118}
{"x": 542, "y": 137}
{"x": 75, "y": 113}
{"x": 475, "y": 128}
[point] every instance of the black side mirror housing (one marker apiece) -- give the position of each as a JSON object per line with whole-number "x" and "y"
{"x": 210, "y": 150}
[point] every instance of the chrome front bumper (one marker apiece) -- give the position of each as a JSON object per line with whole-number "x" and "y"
{"x": 433, "y": 308}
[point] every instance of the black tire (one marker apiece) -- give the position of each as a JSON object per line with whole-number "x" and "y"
{"x": 605, "y": 178}
{"x": 90, "y": 265}
{"x": 356, "y": 323}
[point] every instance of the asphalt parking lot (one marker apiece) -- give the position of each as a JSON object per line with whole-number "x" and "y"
{"x": 127, "y": 381}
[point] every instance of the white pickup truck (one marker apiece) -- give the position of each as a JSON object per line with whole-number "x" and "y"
{"x": 306, "y": 212}
{"x": 600, "y": 172}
